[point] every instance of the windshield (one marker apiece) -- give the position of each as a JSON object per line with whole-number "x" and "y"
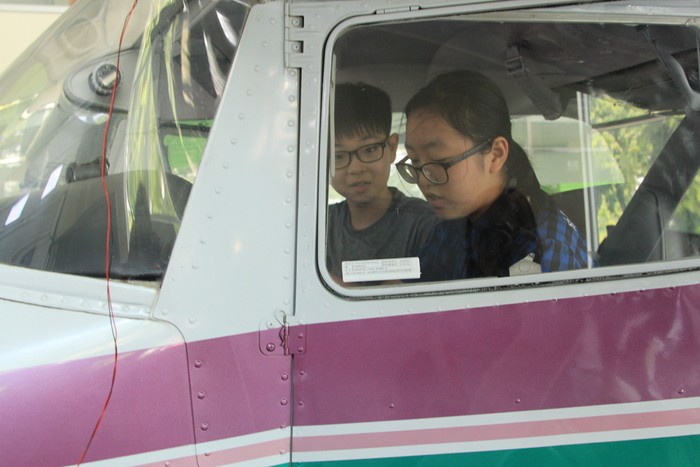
{"x": 54, "y": 107}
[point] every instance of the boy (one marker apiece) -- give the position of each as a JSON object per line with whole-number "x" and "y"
{"x": 375, "y": 221}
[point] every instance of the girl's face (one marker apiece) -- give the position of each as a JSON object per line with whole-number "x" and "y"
{"x": 474, "y": 183}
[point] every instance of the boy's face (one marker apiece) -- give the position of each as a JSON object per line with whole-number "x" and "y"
{"x": 364, "y": 182}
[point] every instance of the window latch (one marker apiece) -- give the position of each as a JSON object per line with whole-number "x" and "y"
{"x": 282, "y": 335}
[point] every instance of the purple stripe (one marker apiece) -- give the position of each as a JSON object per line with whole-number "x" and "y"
{"x": 243, "y": 389}
{"x": 627, "y": 347}
{"x": 48, "y": 412}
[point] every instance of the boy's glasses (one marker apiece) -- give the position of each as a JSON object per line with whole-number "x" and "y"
{"x": 368, "y": 153}
{"x": 434, "y": 172}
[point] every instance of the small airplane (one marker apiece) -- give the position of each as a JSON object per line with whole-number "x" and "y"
{"x": 164, "y": 192}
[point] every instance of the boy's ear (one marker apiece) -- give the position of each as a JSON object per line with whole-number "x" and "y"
{"x": 393, "y": 146}
{"x": 498, "y": 155}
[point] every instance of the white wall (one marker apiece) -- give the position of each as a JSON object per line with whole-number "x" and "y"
{"x": 20, "y": 26}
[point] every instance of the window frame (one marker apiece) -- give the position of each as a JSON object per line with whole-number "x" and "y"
{"x": 476, "y": 13}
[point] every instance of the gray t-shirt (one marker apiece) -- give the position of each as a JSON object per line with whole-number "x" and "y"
{"x": 399, "y": 233}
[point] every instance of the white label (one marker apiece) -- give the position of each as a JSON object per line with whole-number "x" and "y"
{"x": 381, "y": 269}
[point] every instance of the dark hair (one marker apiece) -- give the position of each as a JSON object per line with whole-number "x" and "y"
{"x": 361, "y": 108}
{"x": 474, "y": 106}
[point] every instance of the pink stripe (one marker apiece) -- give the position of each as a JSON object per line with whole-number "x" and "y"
{"x": 464, "y": 434}
{"x": 279, "y": 447}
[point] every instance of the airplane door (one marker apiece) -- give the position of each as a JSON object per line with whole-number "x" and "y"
{"x": 569, "y": 367}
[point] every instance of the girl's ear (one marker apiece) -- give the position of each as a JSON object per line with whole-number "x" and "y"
{"x": 393, "y": 146}
{"x": 498, "y": 155}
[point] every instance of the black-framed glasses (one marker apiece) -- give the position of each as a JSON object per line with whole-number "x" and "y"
{"x": 434, "y": 172}
{"x": 368, "y": 153}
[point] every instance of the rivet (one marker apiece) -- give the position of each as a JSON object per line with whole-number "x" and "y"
{"x": 234, "y": 141}
{"x": 292, "y": 98}
{"x": 325, "y": 304}
{"x": 204, "y": 426}
{"x": 202, "y": 240}
{"x": 285, "y": 376}
{"x": 265, "y": 44}
{"x": 284, "y": 401}
{"x": 226, "y": 165}
{"x": 555, "y": 299}
{"x": 391, "y": 406}
{"x": 300, "y": 403}
{"x": 249, "y": 92}
{"x": 256, "y": 68}
{"x": 195, "y": 266}
{"x": 302, "y": 321}
{"x": 285, "y": 301}
{"x": 283, "y": 451}
{"x": 296, "y": 22}
{"x": 288, "y": 200}
{"x": 681, "y": 391}
{"x": 270, "y": 324}
{"x": 64, "y": 300}
{"x": 167, "y": 464}
{"x": 283, "y": 426}
{"x": 365, "y": 5}
{"x": 207, "y": 453}
{"x": 381, "y": 312}
{"x": 270, "y": 347}
{"x": 517, "y": 400}
{"x": 495, "y": 305}
{"x": 192, "y": 319}
{"x": 290, "y": 148}
{"x": 290, "y": 174}
{"x": 290, "y": 123}
{"x": 218, "y": 190}
{"x": 198, "y": 364}
{"x": 241, "y": 116}
{"x": 300, "y": 335}
{"x": 288, "y": 225}
{"x": 273, "y": 20}
{"x": 302, "y": 373}
{"x": 410, "y": 310}
{"x": 300, "y": 349}
{"x": 286, "y": 276}
{"x": 296, "y": 47}
{"x": 309, "y": 67}
{"x": 165, "y": 311}
{"x": 292, "y": 73}
{"x": 210, "y": 215}
{"x": 287, "y": 250}
{"x": 201, "y": 395}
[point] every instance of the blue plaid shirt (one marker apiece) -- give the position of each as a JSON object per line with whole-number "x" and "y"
{"x": 448, "y": 253}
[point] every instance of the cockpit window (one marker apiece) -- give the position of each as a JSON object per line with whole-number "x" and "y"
{"x": 54, "y": 107}
{"x": 592, "y": 128}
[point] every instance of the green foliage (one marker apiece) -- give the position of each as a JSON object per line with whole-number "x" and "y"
{"x": 635, "y": 146}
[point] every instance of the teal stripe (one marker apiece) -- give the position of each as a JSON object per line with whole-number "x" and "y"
{"x": 661, "y": 452}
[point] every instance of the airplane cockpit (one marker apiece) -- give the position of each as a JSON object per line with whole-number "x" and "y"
{"x": 173, "y": 62}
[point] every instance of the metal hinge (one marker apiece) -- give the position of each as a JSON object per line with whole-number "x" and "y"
{"x": 398, "y": 9}
{"x": 282, "y": 335}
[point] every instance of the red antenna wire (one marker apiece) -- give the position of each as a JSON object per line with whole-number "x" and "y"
{"x": 112, "y": 321}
